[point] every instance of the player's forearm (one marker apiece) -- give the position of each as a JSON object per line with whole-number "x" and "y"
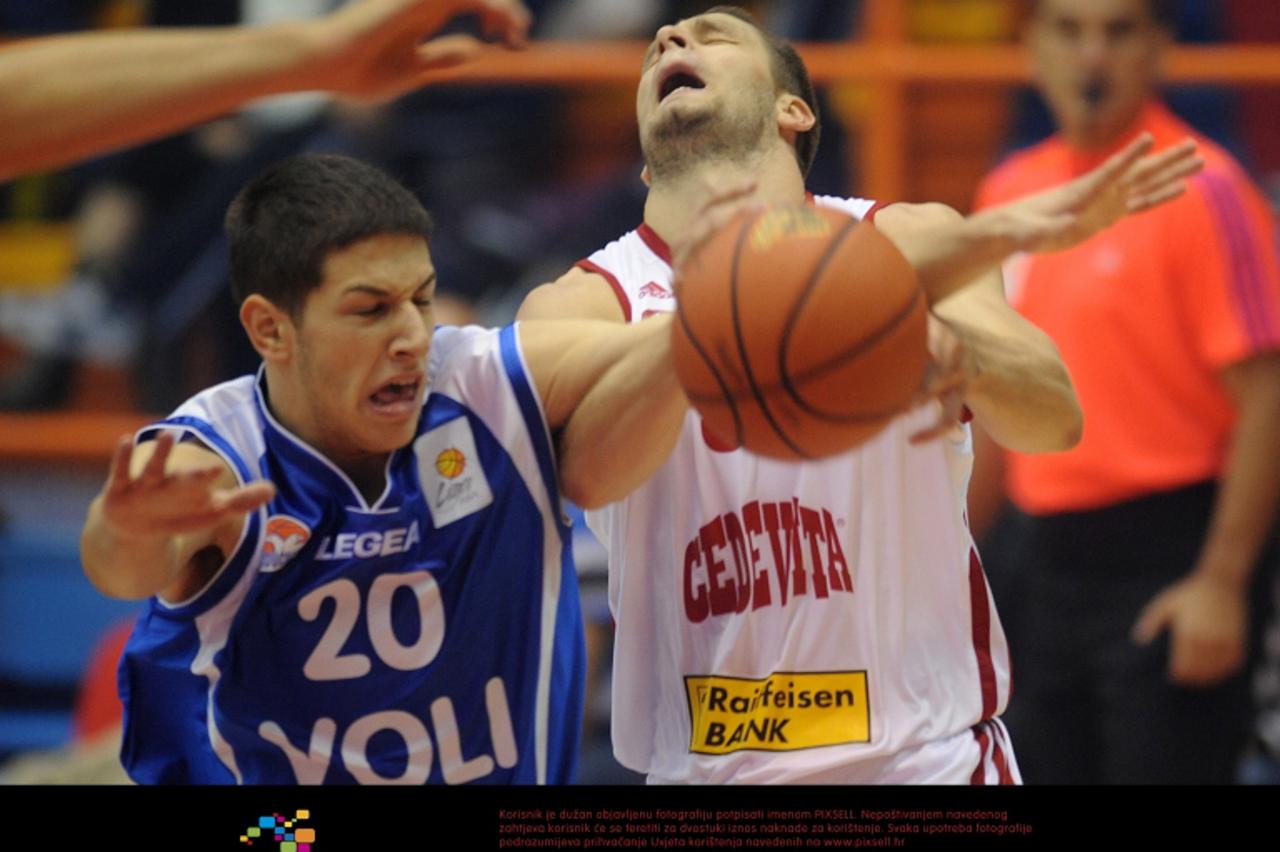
{"x": 626, "y": 425}
{"x": 1249, "y": 492}
{"x": 948, "y": 255}
{"x": 126, "y": 566}
{"x": 66, "y": 97}
{"x": 1019, "y": 389}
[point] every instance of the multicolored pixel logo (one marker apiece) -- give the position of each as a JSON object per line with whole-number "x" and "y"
{"x": 287, "y": 833}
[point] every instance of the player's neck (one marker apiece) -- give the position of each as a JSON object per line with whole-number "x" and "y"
{"x": 367, "y": 472}
{"x": 672, "y": 204}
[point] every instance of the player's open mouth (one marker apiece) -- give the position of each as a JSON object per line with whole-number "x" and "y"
{"x": 397, "y": 398}
{"x": 677, "y": 77}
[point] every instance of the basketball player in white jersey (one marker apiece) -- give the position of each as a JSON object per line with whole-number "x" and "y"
{"x": 821, "y": 621}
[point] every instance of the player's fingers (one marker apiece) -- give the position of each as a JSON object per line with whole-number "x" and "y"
{"x": 709, "y": 223}
{"x": 153, "y": 471}
{"x": 447, "y": 52}
{"x": 952, "y": 404}
{"x": 1146, "y": 201}
{"x": 1170, "y": 157}
{"x": 1170, "y": 174}
{"x": 1114, "y": 168}
{"x": 506, "y": 19}
{"x": 243, "y": 499}
{"x": 1152, "y": 620}
{"x": 118, "y": 477}
{"x": 720, "y": 196}
{"x": 195, "y": 480}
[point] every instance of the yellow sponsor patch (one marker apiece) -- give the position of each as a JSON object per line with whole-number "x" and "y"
{"x": 783, "y": 712}
{"x": 781, "y": 222}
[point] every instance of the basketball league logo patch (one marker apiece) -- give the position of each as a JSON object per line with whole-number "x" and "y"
{"x": 454, "y": 483}
{"x": 285, "y": 536}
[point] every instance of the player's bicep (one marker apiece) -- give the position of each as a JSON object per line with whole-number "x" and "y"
{"x": 565, "y": 358}
{"x": 578, "y": 294}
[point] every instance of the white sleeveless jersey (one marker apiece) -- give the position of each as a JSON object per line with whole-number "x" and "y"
{"x": 799, "y": 622}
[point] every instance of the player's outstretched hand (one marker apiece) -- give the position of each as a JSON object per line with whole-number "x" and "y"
{"x": 376, "y": 48}
{"x": 1129, "y": 182}
{"x": 1207, "y": 622}
{"x": 157, "y": 502}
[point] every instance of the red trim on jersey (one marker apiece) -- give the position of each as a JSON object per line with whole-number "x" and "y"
{"x": 981, "y": 609}
{"x": 1002, "y": 763}
{"x": 656, "y": 244}
{"x": 990, "y": 742}
{"x": 870, "y": 215}
{"x": 979, "y": 775}
{"x": 625, "y": 302}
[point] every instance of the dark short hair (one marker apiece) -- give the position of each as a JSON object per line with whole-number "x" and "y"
{"x": 1163, "y": 12}
{"x": 789, "y": 75}
{"x": 285, "y": 222}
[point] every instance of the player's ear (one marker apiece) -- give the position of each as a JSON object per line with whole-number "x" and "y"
{"x": 270, "y": 328}
{"x": 646, "y": 176}
{"x": 794, "y": 115}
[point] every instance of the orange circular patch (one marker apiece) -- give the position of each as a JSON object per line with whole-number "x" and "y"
{"x": 450, "y": 463}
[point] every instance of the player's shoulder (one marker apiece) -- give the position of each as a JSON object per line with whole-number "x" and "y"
{"x": 583, "y": 292}
{"x": 596, "y": 287}
{"x": 229, "y": 399}
{"x": 453, "y": 347}
{"x": 226, "y": 414}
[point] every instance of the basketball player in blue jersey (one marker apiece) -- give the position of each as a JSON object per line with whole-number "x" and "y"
{"x": 356, "y": 564}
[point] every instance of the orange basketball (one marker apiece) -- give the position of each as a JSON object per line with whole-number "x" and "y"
{"x": 799, "y": 333}
{"x": 450, "y": 463}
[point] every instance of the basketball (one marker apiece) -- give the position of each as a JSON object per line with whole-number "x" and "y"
{"x": 450, "y": 463}
{"x": 800, "y": 332}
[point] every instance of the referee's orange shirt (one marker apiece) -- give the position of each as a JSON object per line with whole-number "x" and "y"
{"x": 1146, "y": 315}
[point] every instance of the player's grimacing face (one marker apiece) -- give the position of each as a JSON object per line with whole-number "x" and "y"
{"x": 1096, "y": 63}
{"x": 362, "y": 346}
{"x": 710, "y": 65}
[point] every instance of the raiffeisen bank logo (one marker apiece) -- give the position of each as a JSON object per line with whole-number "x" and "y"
{"x": 280, "y": 833}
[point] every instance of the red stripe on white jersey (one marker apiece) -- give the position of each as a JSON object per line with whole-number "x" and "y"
{"x": 996, "y": 764}
{"x": 618, "y": 290}
{"x": 870, "y": 215}
{"x": 980, "y": 606}
{"x": 656, "y": 244}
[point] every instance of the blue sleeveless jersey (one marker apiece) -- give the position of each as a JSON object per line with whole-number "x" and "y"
{"x": 431, "y": 636}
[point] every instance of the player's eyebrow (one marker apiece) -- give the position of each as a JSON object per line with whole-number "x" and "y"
{"x": 379, "y": 292}
{"x": 703, "y": 26}
{"x": 366, "y": 289}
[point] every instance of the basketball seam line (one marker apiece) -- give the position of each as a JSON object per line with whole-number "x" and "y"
{"x": 742, "y": 349}
{"x": 840, "y": 358}
{"x": 725, "y": 395}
